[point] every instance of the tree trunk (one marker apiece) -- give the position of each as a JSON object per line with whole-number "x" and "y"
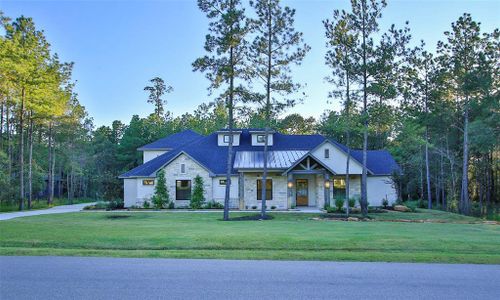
{"x": 348, "y": 137}
{"x": 231, "y": 137}
{"x": 1, "y": 124}
{"x": 464, "y": 196}
{"x": 21, "y": 150}
{"x": 267, "y": 112}
{"x": 30, "y": 163}
{"x": 49, "y": 173}
{"x": 9, "y": 143}
{"x": 364, "y": 196}
{"x": 427, "y": 171}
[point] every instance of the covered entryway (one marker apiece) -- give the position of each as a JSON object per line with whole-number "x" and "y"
{"x": 302, "y": 192}
{"x": 309, "y": 183}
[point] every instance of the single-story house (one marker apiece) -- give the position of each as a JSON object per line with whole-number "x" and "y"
{"x": 304, "y": 170}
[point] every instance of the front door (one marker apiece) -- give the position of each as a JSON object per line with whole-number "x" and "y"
{"x": 302, "y": 192}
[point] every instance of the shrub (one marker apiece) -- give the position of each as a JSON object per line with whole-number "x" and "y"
{"x": 214, "y": 205}
{"x": 273, "y": 207}
{"x": 330, "y": 209}
{"x": 101, "y": 205}
{"x": 385, "y": 202}
{"x": 412, "y": 206}
{"x": 197, "y": 198}
{"x": 421, "y": 203}
{"x": 339, "y": 203}
{"x": 254, "y": 207}
{"x": 161, "y": 197}
{"x": 171, "y": 205}
{"x": 146, "y": 204}
{"x": 352, "y": 202}
{"x": 114, "y": 204}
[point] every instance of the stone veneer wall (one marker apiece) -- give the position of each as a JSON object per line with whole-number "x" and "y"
{"x": 173, "y": 173}
{"x": 279, "y": 191}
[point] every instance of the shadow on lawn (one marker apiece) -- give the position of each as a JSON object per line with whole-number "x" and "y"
{"x": 255, "y": 217}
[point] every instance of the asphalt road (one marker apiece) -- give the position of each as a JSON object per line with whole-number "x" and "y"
{"x": 129, "y": 278}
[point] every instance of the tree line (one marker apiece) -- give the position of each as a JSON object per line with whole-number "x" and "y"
{"x": 436, "y": 109}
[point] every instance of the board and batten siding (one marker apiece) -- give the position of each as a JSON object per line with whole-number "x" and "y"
{"x": 219, "y": 191}
{"x": 134, "y": 192}
{"x": 379, "y": 188}
{"x": 148, "y": 155}
{"x": 337, "y": 159}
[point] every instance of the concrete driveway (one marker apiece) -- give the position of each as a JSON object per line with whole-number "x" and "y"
{"x": 53, "y": 210}
{"x": 129, "y": 278}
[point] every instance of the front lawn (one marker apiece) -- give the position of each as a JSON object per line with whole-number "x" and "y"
{"x": 289, "y": 236}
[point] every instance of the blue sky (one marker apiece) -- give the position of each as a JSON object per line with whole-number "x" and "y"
{"x": 117, "y": 46}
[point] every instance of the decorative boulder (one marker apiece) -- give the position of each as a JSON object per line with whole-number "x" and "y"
{"x": 401, "y": 208}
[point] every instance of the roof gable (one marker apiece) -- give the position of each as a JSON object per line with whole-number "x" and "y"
{"x": 172, "y": 141}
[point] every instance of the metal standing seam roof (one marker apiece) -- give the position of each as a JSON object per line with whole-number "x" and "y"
{"x": 275, "y": 159}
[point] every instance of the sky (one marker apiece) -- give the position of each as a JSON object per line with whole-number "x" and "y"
{"x": 118, "y": 46}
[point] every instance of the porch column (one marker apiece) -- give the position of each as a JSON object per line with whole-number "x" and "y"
{"x": 289, "y": 189}
{"x": 327, "y": 186}
{"x": 241, "y": 190}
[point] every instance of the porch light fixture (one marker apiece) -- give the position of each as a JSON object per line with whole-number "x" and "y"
{"x": 327, "y": 184}
{"x": 290, "y": 184}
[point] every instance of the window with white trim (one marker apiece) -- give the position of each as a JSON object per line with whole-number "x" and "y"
{"x": 183, "y": 169}
{"x": 327, "y": 153}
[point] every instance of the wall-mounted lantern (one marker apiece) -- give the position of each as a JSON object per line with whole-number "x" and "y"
{"x": 327, "y": 184}
{"x": 290, "y": 184}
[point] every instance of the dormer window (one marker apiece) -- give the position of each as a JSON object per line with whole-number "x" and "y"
{"x": 224, "y": 138}
{"x": 259, "y": 137}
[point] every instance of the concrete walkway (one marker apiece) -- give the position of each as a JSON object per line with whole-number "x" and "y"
{"x": 53, "y": 210}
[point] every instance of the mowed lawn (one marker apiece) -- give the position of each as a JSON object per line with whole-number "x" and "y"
{"x": 289, "y": 236}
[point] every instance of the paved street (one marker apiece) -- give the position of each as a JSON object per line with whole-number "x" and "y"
{"x": 53, "y": 210}
{"x": 129, "y": 278}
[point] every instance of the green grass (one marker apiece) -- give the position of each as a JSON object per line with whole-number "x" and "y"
{"x": 288, "y": 236}
{"x": 41, "y": 204}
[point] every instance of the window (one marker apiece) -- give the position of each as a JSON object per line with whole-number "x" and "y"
{"x": 226, "y": 138}
{"x": 327, "y": 153}
{"x": 148, "y": 182}
{"x": 183, "y": 169}
{"x": 222, "y": 181}
{"x": 269, "y": 189}
{"x": 261, "y": 138}
{"x": 183, "y": 190}
{"x": 338, "y": 186}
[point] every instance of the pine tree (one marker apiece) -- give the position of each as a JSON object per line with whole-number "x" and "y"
{"x": 225, "y": 63}
{"x": 276, "y": 47}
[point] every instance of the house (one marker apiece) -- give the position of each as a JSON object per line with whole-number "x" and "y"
{"x": 304, "y": 170}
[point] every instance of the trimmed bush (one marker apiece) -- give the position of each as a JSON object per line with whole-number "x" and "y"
{"x": 197, "y": 198}
{"x": 146, "y": 204}
{"x": 385, "y": 202}
{"x": 161, "y": 197}
{"x": 352, "y": 202}
{"x": 213, "y": 205}
{"x": 339, "y": 202}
